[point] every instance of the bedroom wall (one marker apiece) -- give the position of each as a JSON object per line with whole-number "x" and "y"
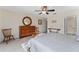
{"x": 59, "y": 22}
{"x": 14, "y": 20}
{"x": 0, "y": 26}
{"x": 56, "y": 21}
{"x": 75, "y": 13}
{"x": 60, "y": 19}
{"x": 9, "y": 19}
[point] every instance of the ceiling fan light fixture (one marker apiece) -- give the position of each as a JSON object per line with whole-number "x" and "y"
{"x": 43, "y": 12}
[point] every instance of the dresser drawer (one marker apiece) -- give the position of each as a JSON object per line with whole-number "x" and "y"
{"x": 25, "y": 31}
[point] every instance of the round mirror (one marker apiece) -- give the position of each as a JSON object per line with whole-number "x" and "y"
{"x": 27, "y": 21}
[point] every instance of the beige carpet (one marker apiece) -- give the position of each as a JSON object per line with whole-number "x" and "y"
{"x": 13, "y": 45}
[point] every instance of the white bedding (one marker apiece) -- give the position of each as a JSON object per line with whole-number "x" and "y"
{"x": 52, "y": 42}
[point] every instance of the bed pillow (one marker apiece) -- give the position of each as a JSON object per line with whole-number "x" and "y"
{"x": 55, "y": 31}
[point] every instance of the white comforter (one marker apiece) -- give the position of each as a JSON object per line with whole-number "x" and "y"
{"x": 52, "y": 42}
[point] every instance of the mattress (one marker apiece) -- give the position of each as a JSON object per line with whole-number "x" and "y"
{"x": 52, "y": 42}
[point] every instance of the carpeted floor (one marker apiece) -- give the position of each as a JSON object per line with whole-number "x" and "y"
{"x": 13, "y": 45}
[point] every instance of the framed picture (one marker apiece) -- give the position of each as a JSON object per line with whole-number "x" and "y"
{"x": 40, "y": 21}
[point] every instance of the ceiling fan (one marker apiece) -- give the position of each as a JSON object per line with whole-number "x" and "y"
{"x": 45, "y": 10}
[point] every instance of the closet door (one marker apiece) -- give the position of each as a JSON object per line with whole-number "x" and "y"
{"x": 70, "y": 25}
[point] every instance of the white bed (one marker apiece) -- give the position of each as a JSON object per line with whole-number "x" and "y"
{"x": 52, "y": 42}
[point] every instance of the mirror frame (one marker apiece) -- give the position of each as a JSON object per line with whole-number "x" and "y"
{"x": 25, "y": 23}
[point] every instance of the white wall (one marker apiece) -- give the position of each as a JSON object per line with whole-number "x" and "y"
{"x": 60, "y": 19}
{"x": 0, "y": 26}
{"x": 14, "y": 20}
{"x": 58, "y": 24}
{"x": 75, "y": 13}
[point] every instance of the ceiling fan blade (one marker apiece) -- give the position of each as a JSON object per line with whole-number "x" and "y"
{"x": 51, "y": 10}
{"x": 40, "y": 13}
{"x": 47, "y": 13}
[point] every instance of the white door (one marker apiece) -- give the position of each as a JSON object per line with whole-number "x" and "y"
{"x": 70, "y": 25}
{"x": 43, "y": 25}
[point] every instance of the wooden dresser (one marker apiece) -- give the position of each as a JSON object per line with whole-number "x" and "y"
{"x": 25, "y": 31}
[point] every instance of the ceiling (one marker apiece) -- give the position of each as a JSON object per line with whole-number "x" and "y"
{"x": 31, "y": 9}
